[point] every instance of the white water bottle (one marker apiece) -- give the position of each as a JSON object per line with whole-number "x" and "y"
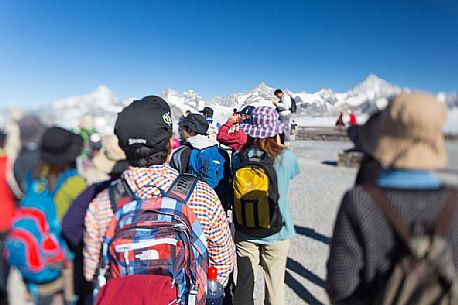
{"x": 215, "y": 291}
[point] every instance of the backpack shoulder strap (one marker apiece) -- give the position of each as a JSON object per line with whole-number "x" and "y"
{"x": 447, "y": 215}
{"x": 180, "y": 159}
{"x": 389, "y": 211}
{"x": 120, "y": 194}
{"x": 182, "y": 188}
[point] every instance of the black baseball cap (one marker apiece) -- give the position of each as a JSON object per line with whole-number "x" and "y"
{"x": 207, "y": 111}
{"x": 247, "y": 110}
{"x": 196, "y": 122}
{"x": 145, "y": 122}
{"x": 60, "y": 146}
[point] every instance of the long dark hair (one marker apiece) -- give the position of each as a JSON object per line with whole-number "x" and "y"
{"x": 267, "y": 145}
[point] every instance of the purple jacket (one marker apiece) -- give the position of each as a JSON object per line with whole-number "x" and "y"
{"x": 73, "y": 222}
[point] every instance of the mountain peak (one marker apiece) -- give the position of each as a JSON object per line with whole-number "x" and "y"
{"x": 263, "y": 87}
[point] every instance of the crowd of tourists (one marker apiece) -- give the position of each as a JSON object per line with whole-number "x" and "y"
{"x": 143, "y": 217}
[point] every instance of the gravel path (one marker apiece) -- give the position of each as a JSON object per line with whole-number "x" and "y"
{"x": 314, "y": 198}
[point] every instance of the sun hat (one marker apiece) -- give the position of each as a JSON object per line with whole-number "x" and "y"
{"x": 265, "y": 123}
{"x": 109, "y": 155}
{"x": 145, "y": 122}
{"x": 196, "y": 122}
{"x": 408, "y": 133}
{"x": 60, "y": 146}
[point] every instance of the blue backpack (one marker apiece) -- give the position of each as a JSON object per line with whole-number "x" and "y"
{"x": 34, "y": 245}
{"x": 210, "y": 165}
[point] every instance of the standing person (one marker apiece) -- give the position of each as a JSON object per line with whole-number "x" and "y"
{"x": 12, "y": 148}
{"x": 110, "y": 164}
{"x": 284, "y": 109}
{"x": 144, "y": 130}
{"x": 264, "y": 169}
{"x": 50, "y": 188}
{"x": 377, "y": 224}
{"x": 180, "y": 127}
{"x": 213, "y": 126}
{"x": 201, "y": 156}
{"x": 352, "y": 118}
{"x": 235, "y": 139}
{"x": 340, "y": 123}
{"x": 7, "y": 206}
{"x": 86, "y": 129}
{"x": 31, "y": 130}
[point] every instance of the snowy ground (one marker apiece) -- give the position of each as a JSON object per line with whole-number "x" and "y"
{"x": 314, "y": 198}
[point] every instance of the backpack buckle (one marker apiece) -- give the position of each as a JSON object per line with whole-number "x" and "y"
{"x": 192, "y": 296}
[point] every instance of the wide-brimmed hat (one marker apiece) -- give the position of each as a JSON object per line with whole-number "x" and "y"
{"x": 109, "y": 155}
{"x": 408, "y": 133}
{"x": 265, "y": 123}
{"x": 60, "y": 146}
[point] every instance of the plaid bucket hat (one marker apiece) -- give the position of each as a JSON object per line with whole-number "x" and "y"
{"x": 265, "y": 123}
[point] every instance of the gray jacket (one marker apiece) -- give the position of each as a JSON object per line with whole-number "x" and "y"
{"x": 364, "y": 247}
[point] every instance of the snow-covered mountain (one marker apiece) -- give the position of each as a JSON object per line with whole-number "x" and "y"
{"x": 103, "y": 105}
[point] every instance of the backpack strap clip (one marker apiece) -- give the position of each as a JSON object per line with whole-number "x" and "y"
{"x": 182, "y": 187}
{"x": 120, "y": 194}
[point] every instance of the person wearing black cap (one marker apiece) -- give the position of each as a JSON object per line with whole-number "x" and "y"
{"x": 144, "y": 132}
{"x": 213, "y": 126}
{"x": 203, "y": 157}
{"x": 56, "y": 171}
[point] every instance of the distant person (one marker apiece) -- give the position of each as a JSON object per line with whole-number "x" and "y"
{"x": 31, "y": 130}
{"x": 144, "y": 130}
{"x": 213, "y": 126}
{"x": 390, "y": 240}
{"x": 352, "y": 119}
{"x": 7, "y": 207}
{"x": 284, "y": 105}
{"x": 202, "y": 156}
{"x": 180, "y": 127}
{"x": 86, "y": 129}
{"x": 229, "y": 133}
{"x": 263, "y": 222}
{"x": 340, "y": 123}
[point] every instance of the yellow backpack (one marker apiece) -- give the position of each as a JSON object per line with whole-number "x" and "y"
{"x": 256, "y": 197}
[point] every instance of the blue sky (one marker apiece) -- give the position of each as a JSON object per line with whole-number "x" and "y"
{"x": 56, "y": 49}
